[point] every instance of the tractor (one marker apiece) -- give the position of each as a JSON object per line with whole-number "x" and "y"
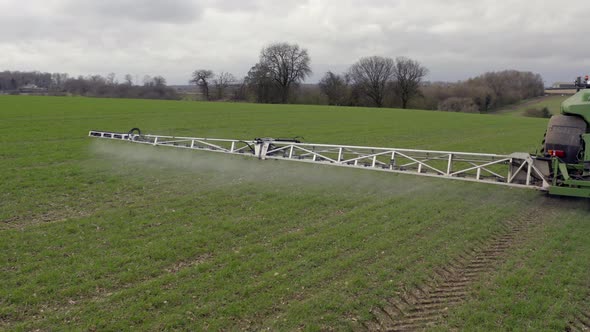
{"x": 565, "y": 155}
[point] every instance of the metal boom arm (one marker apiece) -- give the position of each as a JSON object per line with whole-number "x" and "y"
{"x": 517, "y": 169}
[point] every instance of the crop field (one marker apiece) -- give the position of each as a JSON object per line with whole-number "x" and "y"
{"x": 552, "y": 102}
{"x": 102, "y": 235}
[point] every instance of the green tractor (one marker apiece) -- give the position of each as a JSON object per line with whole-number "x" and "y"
{"x": 565, "y": 155}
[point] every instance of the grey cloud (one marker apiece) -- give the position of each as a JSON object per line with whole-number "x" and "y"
{"x": 456, "y": 39}
{"x": 168, "y": 11}
{"x": 250, "y": 6}
{"x": 234, "y": 5}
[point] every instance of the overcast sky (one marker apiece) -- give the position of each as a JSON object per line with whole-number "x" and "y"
{"x": 455, "y": 39}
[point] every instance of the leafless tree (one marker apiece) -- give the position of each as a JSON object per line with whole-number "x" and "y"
{"x": 261, "y": 85}
{"x": 240, "y": 93}
{"x": 510, "y": 86}
{"x": 97, "y": 79}
{"x": 488, "y": 91}
{"x": 159, "y": 81}
{"x": 335, "y": 87}
{"x": 222, "y": 81}
{"x": 371, "y": 75}
{"x": 287, "y": 65}
{"x": 111, "y": 79}
{"x": 201, "y": 78}
{"x": 147, "y": 80}
{"x": 58, "y": 81}
{"x": 456, "y": 104}
{"x": 129, "y": 79}
{"x": 408, "y": 75}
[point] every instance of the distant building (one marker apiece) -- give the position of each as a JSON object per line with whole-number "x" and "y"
{"x": 564, "y": 85}
{"x": 31, "y": 88}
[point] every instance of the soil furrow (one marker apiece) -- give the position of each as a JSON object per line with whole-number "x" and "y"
{"x": 424, "y": 306}
{"x": 580, "y": 322}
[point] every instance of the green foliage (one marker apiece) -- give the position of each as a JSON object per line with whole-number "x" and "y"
{"x": 107, "y": 236}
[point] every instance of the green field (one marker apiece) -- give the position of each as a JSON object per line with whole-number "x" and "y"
{"x": 552, "y": 102}
{"x": 101, "y": 235}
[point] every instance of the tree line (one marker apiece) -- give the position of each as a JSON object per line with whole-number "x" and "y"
{"x": 375, "y": 81}
{"x": 283, "y": 67}
{"x": 372, "y": 81}
{"x": 280, "y": 73}
{"x": 482, "y": 93}
{"x": 90, "y": 86}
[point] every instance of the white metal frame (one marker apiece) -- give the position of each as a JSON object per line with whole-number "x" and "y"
{"x": 517, "y": 169}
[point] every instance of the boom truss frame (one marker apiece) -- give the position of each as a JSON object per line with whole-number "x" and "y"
{"x": 515, "y": 170}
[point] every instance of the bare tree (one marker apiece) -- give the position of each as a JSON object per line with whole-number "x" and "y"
{"x": 111, "y": 79}
{"x": 371, "y": 75}
{"x": 287, "y": 64}
{"x": 241, "y": 92}
{"x": 335, "y": 87}
{"x": 201, "y": 78}
{"x": 129, "y": 79}
{"x": 58, "y": 81}
{"x": 456, "y": 104}
{"x": 97, "y": 79}
{"x": 159, "y": 81}
{"x": 147, "y": 80}
{"x": 408, "y": 75}
{"x": 259, "y": 82}
{"x": 510, "y": 86}
{"x": 222, "y": 81}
